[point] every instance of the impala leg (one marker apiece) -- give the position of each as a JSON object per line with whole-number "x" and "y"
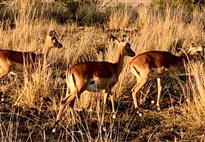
{"x": 104, "y": 106}
{"x": 63, "y": 104}
{"x": 134, "y": 96}
{"x": 136, "y": 88}
{"x": 113, "y": 106}
{"x": 134, "y": 91}
{"x": 159, "y": 86}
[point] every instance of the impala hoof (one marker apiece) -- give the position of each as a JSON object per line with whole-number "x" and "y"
{"x": 104, "y": 128}
{"x": 16, "y": 104}
{"x": 152, "y": 102}
{"x": 2, "y": 99}
{"x": 158, "y": 108}
{"x": 114, "y": 116}
{"x": 54, "y": 130}
{"x": 139, "y": 113}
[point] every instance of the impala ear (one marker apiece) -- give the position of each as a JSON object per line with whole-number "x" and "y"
{"x": 52, "y": 33}
{"x": 113, "y": 38}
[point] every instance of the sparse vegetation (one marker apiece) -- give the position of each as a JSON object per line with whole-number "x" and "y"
{"x": 83, "y": 28}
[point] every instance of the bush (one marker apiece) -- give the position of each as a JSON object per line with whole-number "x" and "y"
{"x": 178, "y": 2}
{"x": 83, "y": 12}
{"x": 89, "y": 14}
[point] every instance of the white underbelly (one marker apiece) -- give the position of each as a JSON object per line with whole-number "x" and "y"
{"x": 96, "y": 85}
{"x": 94, "y": 88}
{"x": 158, "y": 72}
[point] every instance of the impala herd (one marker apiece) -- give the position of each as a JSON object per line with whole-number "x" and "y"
{"x": 98, "y": 76}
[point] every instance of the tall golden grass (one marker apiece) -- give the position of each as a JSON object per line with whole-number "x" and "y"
{"x": 155, "y": 29}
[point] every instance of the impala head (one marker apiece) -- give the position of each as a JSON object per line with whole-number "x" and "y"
{"x": 193, "y": 50}
{"x": 52, "y": 41}
{"x": 124, "y": 46}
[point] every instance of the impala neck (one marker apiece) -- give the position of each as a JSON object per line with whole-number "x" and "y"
{"x": 45, "y": 51}
{"x": 119, "y": 62}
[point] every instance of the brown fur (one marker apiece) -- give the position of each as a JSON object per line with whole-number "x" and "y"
{"x": 154, "y": 64}
{"x": 94, "y": 76}
{"x": 9, "y": 57}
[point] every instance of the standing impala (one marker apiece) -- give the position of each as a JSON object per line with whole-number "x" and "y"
{"x": 154, "y": 64}
{"x": 10, "y": 60}
{"x": 94, "y": 76}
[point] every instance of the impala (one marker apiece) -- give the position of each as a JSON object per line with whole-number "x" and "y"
{"x": 94, "y": 76}
{"x": 10, "y": 60}
{"x": 154, "y": 64}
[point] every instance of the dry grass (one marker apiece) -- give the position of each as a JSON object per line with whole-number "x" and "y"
{"x": 33, "y": 117}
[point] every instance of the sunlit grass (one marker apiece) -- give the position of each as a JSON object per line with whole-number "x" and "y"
{"x": 37, "y": 98}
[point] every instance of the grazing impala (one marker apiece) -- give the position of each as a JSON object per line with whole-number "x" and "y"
{"x": 95, "y": 76}
{"x": 154, "y": 64}
{"x": 10, "y": 60}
